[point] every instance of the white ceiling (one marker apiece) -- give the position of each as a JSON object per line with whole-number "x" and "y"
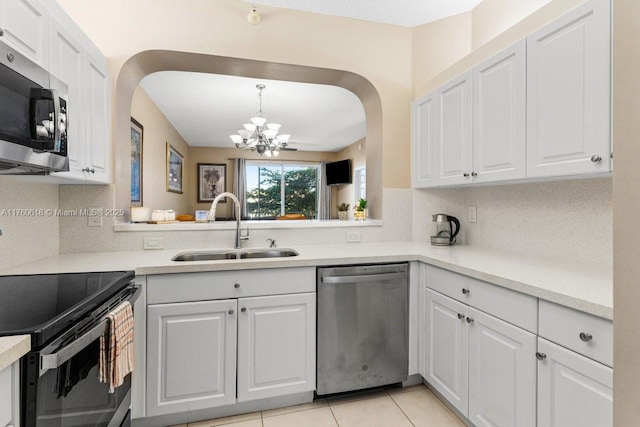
{"x": 206, "y": 108}
{"x": 408, "y": 13}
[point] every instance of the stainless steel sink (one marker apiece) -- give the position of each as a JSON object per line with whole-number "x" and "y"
{"x": 267, "y": 253}
{"x": 226, "y": 255}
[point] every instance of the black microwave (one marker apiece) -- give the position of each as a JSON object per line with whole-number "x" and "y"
{"x": 33, "y": 117}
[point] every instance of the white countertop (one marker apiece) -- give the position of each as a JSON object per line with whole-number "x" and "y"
{"x": 13, "y": 348}
{"x": 586, "y": 288}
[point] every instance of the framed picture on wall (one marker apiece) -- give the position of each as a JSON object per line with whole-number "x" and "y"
{"x": 212, "y": 181}
{"x": 137, "y": 133}
{"x": 175, "y": 163}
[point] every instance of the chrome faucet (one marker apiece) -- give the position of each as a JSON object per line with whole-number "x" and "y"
{"x": 212, "y": 215}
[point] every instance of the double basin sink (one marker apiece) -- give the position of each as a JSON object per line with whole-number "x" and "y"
{"x": 234, "y": 254}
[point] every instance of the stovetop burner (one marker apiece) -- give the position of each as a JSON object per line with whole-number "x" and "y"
{"x": 43, "y": 305}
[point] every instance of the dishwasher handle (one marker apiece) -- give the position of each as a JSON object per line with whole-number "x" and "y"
{"x": 363, "y": 278}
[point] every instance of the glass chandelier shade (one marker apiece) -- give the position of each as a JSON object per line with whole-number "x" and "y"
{"x": 259, "y": 135}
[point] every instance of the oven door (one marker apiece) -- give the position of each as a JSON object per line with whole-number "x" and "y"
{"x": 60, "y": 386}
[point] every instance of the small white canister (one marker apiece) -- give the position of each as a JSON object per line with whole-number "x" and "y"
{"x": 157, "y": 215}
{"x": 139, "y": 214}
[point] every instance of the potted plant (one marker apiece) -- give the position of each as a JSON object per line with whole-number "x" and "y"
{"x": 343, "y": 211}
{"x": 360, "y": 210}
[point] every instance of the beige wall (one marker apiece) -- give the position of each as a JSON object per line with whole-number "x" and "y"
{"x": 492, "y": 17}
{"x": 346, "y": 193}
{"x": 485, "y": 40}
{"x": 379, "y": 53}
{"x": 157, "y": 132}
{"x": 226, "y": 156}
{"x": 626, "y": 205}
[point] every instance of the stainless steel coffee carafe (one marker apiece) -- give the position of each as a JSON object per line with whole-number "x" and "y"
{"x": 443, "y": 234}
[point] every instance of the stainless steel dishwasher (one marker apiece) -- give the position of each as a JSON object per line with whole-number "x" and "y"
{"x": 362, "y": 327}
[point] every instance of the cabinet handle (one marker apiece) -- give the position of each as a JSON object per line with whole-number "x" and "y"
{"x": 10, "y": 57}
{"x": 86, "y": 170}
{"x": 586, "y": 337}
{"x": 243, "y": 309}
{"x": 92, "y": 170}
{"x": 1, "y": 32}
{"x": 231, "y": 311}
{"x": 466, "y": 291}
{"x": 540, "y": 356}
{"x": 237, "y": 285}
{"x": 466, "y": 175}
{"x": 474, "y": 174}
{"x": 595, "y": 158}
{"x": 460, "y": 316}
{"x": 470, "y": 320}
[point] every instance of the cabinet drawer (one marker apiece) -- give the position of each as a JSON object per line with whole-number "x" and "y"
{"x": 183, "y": 287}
{"x": 564, "y": 326}
{"x": 514, "y": 307}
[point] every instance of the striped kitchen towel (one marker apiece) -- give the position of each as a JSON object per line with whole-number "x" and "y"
{"x": 116, "y": 347}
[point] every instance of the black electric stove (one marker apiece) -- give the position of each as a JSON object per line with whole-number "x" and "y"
{"x": 65, "y": 314}
{"x": 44, "y": 305}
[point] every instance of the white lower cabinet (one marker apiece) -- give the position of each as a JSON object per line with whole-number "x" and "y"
{"x": 9, "y": 392}
{"x": 572, "y": 389}
{"x": 198, "y": 351}
{"x": 484, "y": 366}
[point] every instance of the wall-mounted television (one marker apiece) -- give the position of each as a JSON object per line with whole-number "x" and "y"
{"x": 339, "y": 172}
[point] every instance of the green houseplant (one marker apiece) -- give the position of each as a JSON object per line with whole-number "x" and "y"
{"x": 343, "y": 211}
{"x": 360, "y": 212}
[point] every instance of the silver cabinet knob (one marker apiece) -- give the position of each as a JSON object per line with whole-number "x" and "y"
{"x": 474, "y": 174}
{"x": 1, "y": 32}
{"x": 466, "y": 291}
{"x": 470, "y": 320}
{"x": 466, "y": 175}
{"x": 595, "y": 158}
{"x": 237, "y": 285}
{"x": 86, "y": 170}
{"x": 586, "y": 337}
{"x": 243, "y": 309}
{"x": 460, "y": 316}
{"x": 92, "y": 170}
{"x": 231, "y": 311}
{"x": 540, "y": 356}
{"x": 10, "y": 57}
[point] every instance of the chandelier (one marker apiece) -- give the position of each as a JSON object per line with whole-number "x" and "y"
{"x": 259, "y": 135}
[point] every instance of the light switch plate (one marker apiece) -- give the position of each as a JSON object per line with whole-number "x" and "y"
{"x": 153, "y": 243}
{"x": 473, "y": 214}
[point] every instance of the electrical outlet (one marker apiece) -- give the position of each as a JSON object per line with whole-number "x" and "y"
{"x": 473, "y": 214}
{"x": 353, "y": 236}
{"x": 153, "y": 243}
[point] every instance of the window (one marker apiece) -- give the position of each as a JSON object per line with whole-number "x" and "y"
{"x": 275, "y": 189}
{"x": 360, "y": 181}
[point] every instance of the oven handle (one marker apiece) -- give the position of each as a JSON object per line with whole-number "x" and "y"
{"x": 55, "y": 360}
{"x": 361, "y": 278}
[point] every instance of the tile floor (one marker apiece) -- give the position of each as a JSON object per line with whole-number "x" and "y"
{"x": 410, "y": 406}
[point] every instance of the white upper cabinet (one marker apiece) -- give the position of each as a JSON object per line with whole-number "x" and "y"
{"x": 499, "y": 144}
{"x": 24, "y": 25}
{"x": 424, "y": 147}
{"x": 568, "y": 94}
{"x": 98, "y": 134}
{"x": 66, "y": 60}
{"x": 454, "y": 132}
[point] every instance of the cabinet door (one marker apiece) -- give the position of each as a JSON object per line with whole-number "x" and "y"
{"x": 502, "y": 373}
{"x": 24, "y": 25}
{"x": 67, "y": 64}
{"x": 424, "y": 145}
{"x": 191, "y": 356}
{"x": 499, "y": 145}
{"x": 573, "y": 391}
{"x": 454, "y": 132}
{"x": 98, "y": 143}
{"x": 276, "y": 345}
{"x": 568, "y": 94}
{"x": 446, "y": 348}
{"x": 9, "y": 395}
